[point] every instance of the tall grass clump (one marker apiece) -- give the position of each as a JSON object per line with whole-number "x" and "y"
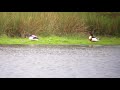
{"x": 104, "y": 23}
{"x": 19, "y": 24}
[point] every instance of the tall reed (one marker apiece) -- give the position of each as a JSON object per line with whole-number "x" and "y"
{"x": 18, "y": 24}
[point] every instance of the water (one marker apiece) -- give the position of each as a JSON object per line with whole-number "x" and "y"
{"x": 59, "y": 61}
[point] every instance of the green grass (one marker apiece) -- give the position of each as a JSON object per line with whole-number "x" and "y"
{"x": 55, "y": 40}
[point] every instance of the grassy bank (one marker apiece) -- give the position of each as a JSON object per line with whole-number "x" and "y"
{"x": 60, "y": 27}
{"x": 55, "y": 40}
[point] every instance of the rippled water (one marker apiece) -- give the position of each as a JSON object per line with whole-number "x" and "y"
{"x": 59, "y": 61}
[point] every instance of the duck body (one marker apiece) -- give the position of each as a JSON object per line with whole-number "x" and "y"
{"x": 93, "y": 39}
{"x": 33, "y": 38}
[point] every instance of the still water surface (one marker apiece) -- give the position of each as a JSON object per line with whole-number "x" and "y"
{"x": 59, "y": 61}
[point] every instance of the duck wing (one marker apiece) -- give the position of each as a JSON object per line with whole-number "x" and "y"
{"x": 35, "y": 37}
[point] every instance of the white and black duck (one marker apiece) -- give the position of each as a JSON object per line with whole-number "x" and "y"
{"x": 93, "y": 38}
{"x": 33, "y": 37}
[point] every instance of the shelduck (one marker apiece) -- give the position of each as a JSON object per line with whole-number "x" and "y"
{"x": 92, "y": 38}
{"x": 33, "y": 37}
